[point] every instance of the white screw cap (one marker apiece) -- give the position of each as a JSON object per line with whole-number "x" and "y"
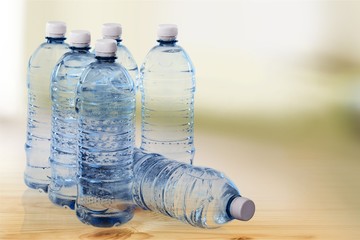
{"x": 55, "y": 29}
{"x": 242, "y": 208}
{"x": 79, "y": 38}
{"x": 167, "y": 32}
{"x": 105, "y": 48}
{"x": 111, "y": 30}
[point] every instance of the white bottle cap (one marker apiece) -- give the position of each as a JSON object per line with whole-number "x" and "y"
{"x": 55, "y": 29}
{"x": 79, "y": 38}
{"x": 167, "y": 32}
{"x": 111, "y": 30}
{"x": 105, "y": 48}
{"x": 242, "y": 208}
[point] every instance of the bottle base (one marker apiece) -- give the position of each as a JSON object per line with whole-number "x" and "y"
{"x": 62, "y": 201}
{"x": 42, "y": 187}
{"x": 104, "y": 220}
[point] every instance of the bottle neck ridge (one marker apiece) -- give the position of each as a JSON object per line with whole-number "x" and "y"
{"x": 80, "y": 49}
{"x": 57, "y": 40}
{"x": 106, "y": 59}
{"x": 167, "y": 42}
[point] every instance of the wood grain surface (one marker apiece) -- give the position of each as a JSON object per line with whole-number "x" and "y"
{"x": 301, "y": 191}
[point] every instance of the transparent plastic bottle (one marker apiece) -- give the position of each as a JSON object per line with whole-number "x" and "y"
{"x": 167, "y": 85}
{"x": 37, "y": 146}
{"x": 106, "y": 110}
{"x": 201, "y": 197}
{"x": 124, "y": 57}
{"x": 63, "y": 156}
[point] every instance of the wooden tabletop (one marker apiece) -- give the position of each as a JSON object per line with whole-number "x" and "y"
{"x": 307, "y": 190}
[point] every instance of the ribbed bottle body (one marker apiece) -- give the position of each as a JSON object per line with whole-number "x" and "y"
{"x": 106, "y": 111}
{"x": 195, "y": 195}
{"x": 63, "y": 155}
{"x": 167, "y": 85}
{"x": 37, "y": 146}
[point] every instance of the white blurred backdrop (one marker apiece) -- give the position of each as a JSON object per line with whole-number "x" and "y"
{"x": 11, "y": 60}
{"x": 256, "y": 61}
{"x": 253, "y": 58}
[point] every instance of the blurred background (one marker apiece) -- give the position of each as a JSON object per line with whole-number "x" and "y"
{"x": 258, "y": 62}
{"x": 278, "y": 85}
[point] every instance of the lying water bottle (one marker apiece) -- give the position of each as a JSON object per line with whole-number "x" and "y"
{"x": 167, "y": 85}
{"x": 63, "y": 156}
{"x": 124, "y": 57}
{"x": 106, "y": 110}
{"x": 201, "y": 197}
{"x": 37, "y": 146}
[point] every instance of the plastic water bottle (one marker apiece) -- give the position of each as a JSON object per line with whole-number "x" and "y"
{"x": 106, "y": 110}
{"x": 37, "y": 146}
{"x": 167, "y": 85}
{"x": 202, "y": 197}
{"x": 124, "y": 57}
{"x": 63, "y": 156}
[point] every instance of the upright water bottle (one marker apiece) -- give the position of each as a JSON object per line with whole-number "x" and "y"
{"x": 167, "y": 85}
{"x": 63, "y": 156}
{"x": 202, "y": 197}
{"x": 106, "y": 109}
{"x": 37, "y": 146}
{"x": 124, "y": 57}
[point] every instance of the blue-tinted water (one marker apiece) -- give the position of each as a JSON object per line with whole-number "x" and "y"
{"x": 106, "y": 111}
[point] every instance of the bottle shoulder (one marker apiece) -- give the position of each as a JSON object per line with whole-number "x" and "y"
{"x": 77, "y": 58}
{"x": 205, "y": 173}
{"x": 168, "y": 58}
{"x": 125, "y": 58}
{"x": 105, "y": 67}
{"x": 166, "y": 49}
{"x": 112, "y": 74}
{"x": 57, "y": 46}
{"x": 123, "y": 48}
{"x": 49, "y": 51}
{"x": 72, "y": 63}
{"x": 124, "y": 51}
{"x": 212, "y": 177}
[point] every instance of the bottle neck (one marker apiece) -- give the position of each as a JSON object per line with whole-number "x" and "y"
{"x": 101, "y": 59}
{"x": 80, "y": 49}
{"x": 168, "y": 43}
{"x": 231, "y": 199}
{"x": 58, "y": 40}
